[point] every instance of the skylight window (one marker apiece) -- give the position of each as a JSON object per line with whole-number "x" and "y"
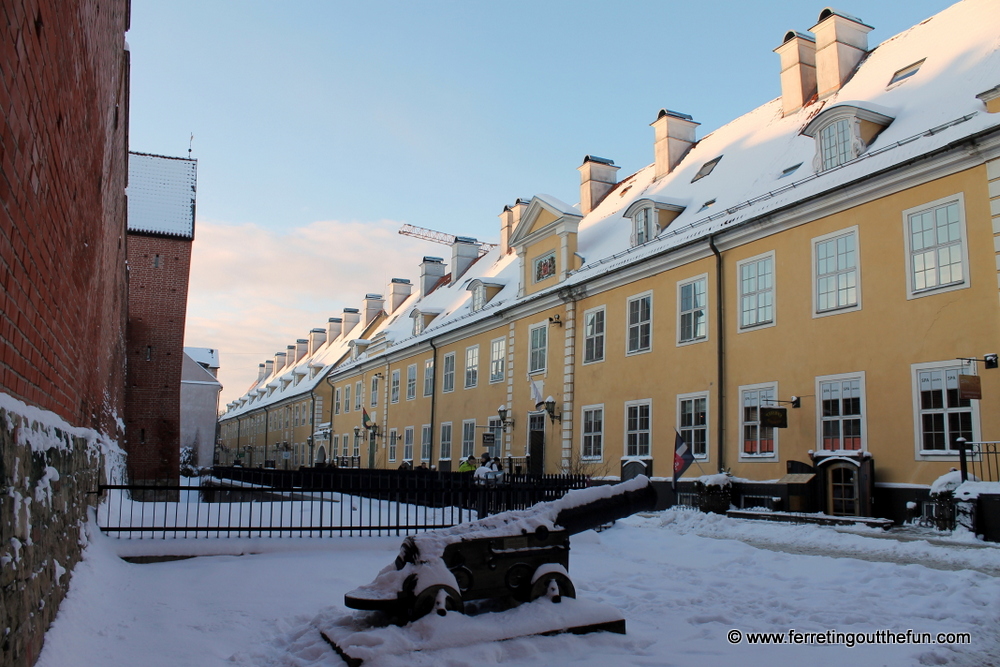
{"x": 790, "y": 170}
{"x": 707, "y": 204}
{"x": 906, "y": 72}
{"x": 706, "y": 169}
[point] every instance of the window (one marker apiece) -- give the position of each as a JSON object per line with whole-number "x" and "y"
{"x": 941, "y": 415}
{"x": 640, "y": 316}
{"x": 706, "y": 169}
{"x": 357, "y": 447}
{"x": 842, "y": 133}
{"x": 359, "y": 400}
{"x": 693, "y": 317}
{"x": 471, "y": 366}
{"x": 411, "y": 382}
{"x": 498, "y": 352}
{"x": 347, "y": 398}
{"x": 425, "y": 442}
{"x": 478, "y": 297}
{"x": 593, "y": 335}
{"x": 756, "y": 278}
{"x": 468, "y": 438}
{"x": 408, "y": 443}
{"x": 446, "y": 441}
{"x": 418, "y": 324}
{"x": 393, "y": 439}
{"x": 394, "y": 387}
{"x": 374, "y": 397}
{"x": 539, "y": 337}
{"x": 936, "y": 252}
{"x": 758, "y": 439}
{"x": 428, "y": 377}
{"x": 637, "y": 428}
{"x": 593, "y": 433}
{"x": 336, "y": 401}
{"x": 841, "y": 407}
{"x": 448, "y": 381}
{"x": 295, "y": 418}
{"x": 347, "y": 444}
{"x": 643, "y": 226}
{"x": 790, "y": 170}
{"x": 906, "y": 72}
{"x": 496, "y": 428}
{"x": 692, "y": 417}
{"x": 836, "y": 264}
{"x": 835, "y": 143}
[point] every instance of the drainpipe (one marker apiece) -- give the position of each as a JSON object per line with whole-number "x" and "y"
{"x": 267, "y": 431}
{"x": 312, "y": 426}
{"x": 720, "y": 362}
{"x": 434, "y": 360}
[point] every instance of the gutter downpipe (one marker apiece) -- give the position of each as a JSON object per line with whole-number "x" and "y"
{"x": 720, "y": 355}
{"x": 434, "y": 361}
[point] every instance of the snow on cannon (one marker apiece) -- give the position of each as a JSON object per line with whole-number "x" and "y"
{"x": 519, "y": 555}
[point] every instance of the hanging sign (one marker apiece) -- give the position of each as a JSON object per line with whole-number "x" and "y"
{"x": 489, "y": 438}
{"x": 774, "y": 417}
{"x": 969, "y": 387}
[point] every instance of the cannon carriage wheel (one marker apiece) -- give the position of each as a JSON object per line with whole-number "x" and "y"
{"x": 553, "y": 584}
{"x": 438, "y": 598}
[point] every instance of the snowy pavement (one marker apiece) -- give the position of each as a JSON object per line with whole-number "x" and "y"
{"x": 682, "y": 580}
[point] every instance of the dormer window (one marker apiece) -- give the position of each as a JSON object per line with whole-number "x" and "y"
{"x": 421, "y": 318}
{"x": 643, "y": 227}
{"x": 418, "y": 326}
{"x": 478, "y": 297}
{"x": 835, "y": 143}
{"x": 483, "y": 292}
{"x": 843, "y": 133}
{"x": 648, "y": 217}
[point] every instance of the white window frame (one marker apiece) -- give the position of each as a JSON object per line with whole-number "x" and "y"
{"x": 448, "y": 376}
{"x": 966, "y": 282}
{"x": 598, "y": 434}
{"x": 495, "y": 426}
{"x": 498, "y": 359}
{"x": 468, "y": 446}
{"x": 681, "y": 428}
{"x": 648, "y": 323}
{"x": 478, "y": 297}
{"x": 446, "y": 434}
{"x": 842, "y": 131}
{"x": 647, "y": 402}
{"x": 373, "y": 403}
{"x": 472, "y": 367}
{"x": 596, "y": 337}
{"x": 740, "y": 327}
{"x": 359, "y": 398}
{"x": 336, "y": 401}
{"x": 408, "y": 443}
{"x": 921, "y": 454}
{"x": 820, "y": 419}
{"x": 394, "y": 387}
{"x": 393, "y": 443}
{"x": 425, "y": 442}
{"x": 644, "y": 226}
{"x": 826, "y": 238}
{"x": 347, "y": 397}
{"x": 428, "y": 376}
{"x": 765, "y": 386}
{"x": 538, "y": 354}
{"x": 681, "y": 312}
{"x": 411, "y": 382}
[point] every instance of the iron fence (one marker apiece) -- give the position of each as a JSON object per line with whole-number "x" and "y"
{"x": 981, "y": 459}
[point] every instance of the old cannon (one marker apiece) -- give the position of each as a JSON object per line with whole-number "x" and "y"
{"x": 520, "y": 555}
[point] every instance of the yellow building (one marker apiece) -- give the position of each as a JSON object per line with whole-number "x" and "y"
{"x": 830, "y": 254}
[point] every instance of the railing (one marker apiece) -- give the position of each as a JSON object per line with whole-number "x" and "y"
{"x": 981, "y": 459}
{"x": 248, "y": 502}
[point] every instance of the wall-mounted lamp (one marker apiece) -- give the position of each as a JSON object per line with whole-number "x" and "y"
{"x": 503, "y": 412}
{"x": 378, "y": 375}
{"x": 555, "y": 319}
{"x": 357, "y": 432}
{"x": 550, "y": 407}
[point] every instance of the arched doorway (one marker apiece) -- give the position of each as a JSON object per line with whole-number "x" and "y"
{"x": 321, "y": 455}
{"x": 842, "y": 492}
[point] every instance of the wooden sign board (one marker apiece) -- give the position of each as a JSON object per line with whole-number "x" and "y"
{"x": 969, "y": 387}
{"x": 489, "y": 439}
{"x": 774, "y": 417}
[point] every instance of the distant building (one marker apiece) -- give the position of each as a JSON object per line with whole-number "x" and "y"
{"x": 200, "y": 389}
{"x": 161, "y": 206}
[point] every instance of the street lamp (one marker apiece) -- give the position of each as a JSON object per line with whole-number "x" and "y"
{"x": 550, "y": 407}
{"x": 503, "y": 412}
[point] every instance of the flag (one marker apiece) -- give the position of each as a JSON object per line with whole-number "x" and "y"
{"x": 536, "y": 394}
{"x": 683, "y": 458}
{"x": 366, "y": 421}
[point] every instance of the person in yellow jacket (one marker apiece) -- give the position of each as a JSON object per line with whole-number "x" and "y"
{"x": 468, "y": 465}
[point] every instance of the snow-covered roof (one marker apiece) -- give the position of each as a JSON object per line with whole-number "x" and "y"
{"x": 206, "y": 356}
{"x": 768, "y": 167}
{"x": 161, "y": 194}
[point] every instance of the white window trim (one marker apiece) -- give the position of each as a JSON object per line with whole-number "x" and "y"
{"x": 426, "y": 441}
{"x": 707, "y": 336}
{"x": 545, "y": 360}
{"x": 465, "y": 374}
{"x": 816, "y": 312}
{"x": 820, "y": 379}
{"x": 774, "y": 293}
{"x": 502, "y": 360}
{"x": 336, "y": 401}
{"x": 604, "y": 417}
{"x": 408, "y": 441}
{"x": 708, "y": 421}
{"x": 604, "y": 336}
{"x": 428, "y": 381}
{"x": 358, "y": 397}
{"x": 411, "y": 382}
{"x": 394, "y": 387}
{"x": 628, "y": 301}
{"x": 450, "y": 441}
{"x": 921, "y": 454}
{"x": 966, "y": 282}
{"x": 649, "y": 222}
{"x": 773, "y": 456}
{"x": 473, "y": 450}
{"x": 347, "y": 398}
{"x": 628, "y": 404}
{"x": 444, "y": 373}
{"x": 373, "y": 399}
{"x": 393, "y": 438}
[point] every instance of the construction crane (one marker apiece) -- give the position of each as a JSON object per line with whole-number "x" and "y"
{"x": 440, "y": 237}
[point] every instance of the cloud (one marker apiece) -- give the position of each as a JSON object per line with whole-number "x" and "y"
{"x": 254, "y": 290}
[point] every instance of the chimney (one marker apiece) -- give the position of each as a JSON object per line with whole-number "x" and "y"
{"x": 464, "y": 251}
{"x": 279, "y": 363}
{"x": 798, "y": 70}
{"x": 261, "y": 372}
{"x": 506, "y": 229}
{"x": 431, "y": 271}
{"x": 301, "y": 348}
{"x": 399, "y": 291}
{"x": 673, "y": 136}
{"x": 351, "y": 318}
{"x": 841, "y": 43}
{"x": 598, "y": 176}
{"x": 373, "y": 304}
{"x": 334, "y": 328}
{"x": 289, "y": 356}
{"x": 316, "y": 338}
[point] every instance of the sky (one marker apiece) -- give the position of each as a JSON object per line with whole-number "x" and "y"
{"x": 320, "y": 128}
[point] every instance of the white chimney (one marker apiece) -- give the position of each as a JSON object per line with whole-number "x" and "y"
{"x": 798, "y": 70}
{"x": 334, "y": 328}
{"x": 289, "y": 356}
{"x": 399, "y": 291}
{"x": 464, "y": 251}
{"x": 598, "y": 176}
{"x": 431, "y": 271}
{"x": 279, "y": 363}
{"x": 316, "y": 338}
{"x": 506, "y": 229}
{"x": 841, "y": 43}
{"x": 373, "y": 304}
{"x": 301, "y": 348}
{"x": 261, "y": 372}
{"x": 351, "y": 318}
{"x": 673, "y": 138}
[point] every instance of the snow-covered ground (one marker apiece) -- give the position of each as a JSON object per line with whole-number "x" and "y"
{"x": 682, "y": 580}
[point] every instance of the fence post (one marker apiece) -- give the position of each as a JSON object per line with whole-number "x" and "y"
{"x": 963, "y": 459}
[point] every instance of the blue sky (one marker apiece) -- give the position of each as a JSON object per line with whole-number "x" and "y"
{"x": 321, "y": 127}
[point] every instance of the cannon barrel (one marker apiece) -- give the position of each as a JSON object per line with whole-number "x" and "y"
{"x": 624, "y": 500}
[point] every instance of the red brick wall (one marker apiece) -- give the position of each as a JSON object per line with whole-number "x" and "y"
{"x": 157, "y": 304}
{"x": 63, "y": 152}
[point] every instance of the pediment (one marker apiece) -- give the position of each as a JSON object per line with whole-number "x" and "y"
{"x": 545, "y": 215}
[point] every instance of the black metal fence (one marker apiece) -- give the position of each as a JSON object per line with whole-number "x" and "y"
{"x": 248, "y": 502}
{"x": 981, "y": 459}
